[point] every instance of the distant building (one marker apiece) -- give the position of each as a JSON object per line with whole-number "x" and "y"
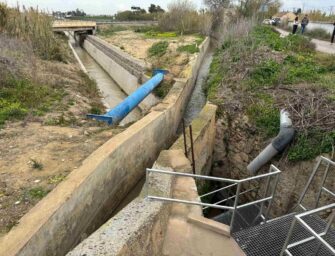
{"x": 285, "y": 16}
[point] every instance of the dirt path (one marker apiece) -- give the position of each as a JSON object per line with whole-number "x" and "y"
{"x": 321, "y": 46}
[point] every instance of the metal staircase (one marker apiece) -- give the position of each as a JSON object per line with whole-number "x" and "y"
{"x": 304, "y": 232}
{"x": 296, "y": 234}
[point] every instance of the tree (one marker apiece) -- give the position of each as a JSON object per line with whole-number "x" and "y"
{"x": 155, "y": 9}
{"x": 251, "y": 8}
{"x": 138, "y": 10}
{"x": 216, "y": 7}
{"x": 182, "y": 17}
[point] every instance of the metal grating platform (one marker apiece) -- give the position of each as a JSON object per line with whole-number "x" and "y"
{"x": 245, "y": 218}
{"x": 268, "y": 239}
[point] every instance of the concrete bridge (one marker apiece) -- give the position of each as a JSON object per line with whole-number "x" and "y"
{"x": 76, "y": 26}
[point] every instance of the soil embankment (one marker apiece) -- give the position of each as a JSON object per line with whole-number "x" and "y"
{"x": 253, "y": 76}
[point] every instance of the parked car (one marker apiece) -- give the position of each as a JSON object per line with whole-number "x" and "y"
{"x": 267, "y": 22}
{"x": 274, "y": 22}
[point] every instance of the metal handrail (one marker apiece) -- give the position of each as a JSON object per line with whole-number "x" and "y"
{"x": 322, "y": 187}
{"x": 273, "y": 172}
{"x": 315, "y": 235}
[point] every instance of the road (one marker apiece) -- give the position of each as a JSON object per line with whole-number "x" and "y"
{"x": 321, "y": 46}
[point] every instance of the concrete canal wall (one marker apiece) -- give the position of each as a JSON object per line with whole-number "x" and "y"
{"x": 85, "y": 200}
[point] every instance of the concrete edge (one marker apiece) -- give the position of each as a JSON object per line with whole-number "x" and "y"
{"x": 141, "y": 227}
{"x": 209, "y": 224}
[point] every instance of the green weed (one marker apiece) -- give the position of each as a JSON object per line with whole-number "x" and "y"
{"x": 56, "y": 179}
{"x": 265, "y": 116}
{"x": 190, "y": 48}
{"x": 158, "y": 49}
{"x": 36, "y": 164}
{"x": 11, "y": 111}
{"x": 265, "y": 74}
{"x": 215, "y": 76}
{"x": 156, "y": 34}
{"x": 18, "y": 97}
{"x": 163, "y": 89}
{"x": 310, "y": 145}
{"x": 37, "y": 193}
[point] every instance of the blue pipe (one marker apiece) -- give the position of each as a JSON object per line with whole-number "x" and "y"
{"x": 115, "y": 115}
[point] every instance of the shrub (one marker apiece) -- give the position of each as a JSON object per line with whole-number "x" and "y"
{"x": 158, "y": 49}
{"x": 182, "y": 17}
{"x": 11, "y": 111}
{"x": 110, "y": 30}
{"x": 318, "y": 33}
{"x": 144, "y": 29}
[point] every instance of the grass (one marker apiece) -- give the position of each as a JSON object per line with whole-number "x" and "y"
{"x": 318, "y": 33}
{"x": 156, "y": 34}
{"x": 313, "y": 143}
{"x": 190, "y": 48}
{"x": 19, "y": 97}
{"x": 215, "y": 76}
{"x": 261, "y": 61}
{"x": 265, "y": 116}
{"x": 158, "y": 49}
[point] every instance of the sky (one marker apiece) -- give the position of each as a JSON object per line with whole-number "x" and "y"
{"x": 112, "y": 6}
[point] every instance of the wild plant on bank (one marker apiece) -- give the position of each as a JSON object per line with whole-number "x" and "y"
{"x": 35, "y": 27}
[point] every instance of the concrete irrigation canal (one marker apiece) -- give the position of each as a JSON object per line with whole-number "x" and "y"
{"x": 150, "y": 188}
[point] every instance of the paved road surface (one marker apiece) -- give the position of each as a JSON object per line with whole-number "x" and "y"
{"x": 321, "y": 46}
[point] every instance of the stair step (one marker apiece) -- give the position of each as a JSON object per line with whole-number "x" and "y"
{"x": 268, "y": 239}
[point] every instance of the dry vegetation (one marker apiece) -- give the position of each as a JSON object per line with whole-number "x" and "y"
{"x": 44, "y": 98}
{"x": 254, "y": 74}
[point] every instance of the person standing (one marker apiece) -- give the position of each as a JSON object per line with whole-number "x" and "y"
{"x": 295, "y": 25}
{"x": 333, "y": 36}
{"x": 304, "y": 23}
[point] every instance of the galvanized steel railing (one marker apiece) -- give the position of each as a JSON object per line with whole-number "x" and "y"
{"x": 268, "y": 197}
{"x": 299, "y": 218}
{"x": 322, "y": 187}
{"x": 314, "y": 235}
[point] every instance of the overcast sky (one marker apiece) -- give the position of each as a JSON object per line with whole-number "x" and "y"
{"x": 112, "y": 6}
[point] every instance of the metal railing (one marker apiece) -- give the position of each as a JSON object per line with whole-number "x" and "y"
{"x": 185, "y": 144}
{"x": 299, "y": 217}
{"x": 322, "y": 187}
{"x": 273, "y": 173}
{"x": 314, "y": 234}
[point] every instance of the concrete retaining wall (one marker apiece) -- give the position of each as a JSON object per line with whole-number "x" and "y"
{"x": 127, "y": 71}
{"x": 203, "y": 132}
{"x": 139, "y": 229}
{"x": 85, "y": 200}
